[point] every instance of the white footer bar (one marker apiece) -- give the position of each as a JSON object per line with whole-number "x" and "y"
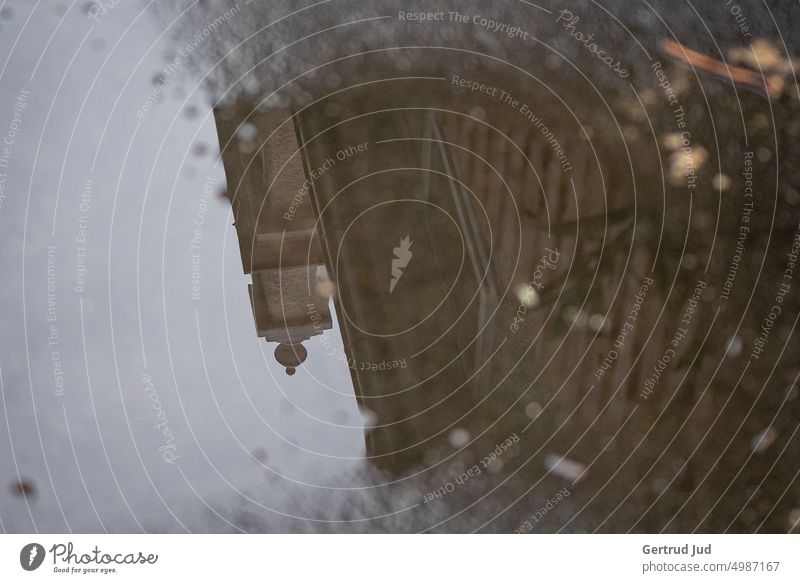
{"x": 400, "y": 558}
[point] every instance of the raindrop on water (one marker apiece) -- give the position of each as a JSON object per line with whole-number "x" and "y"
{"x": 369, "y": 417}
{"x": 22, "y": 488}
{"x": 533, "y": 409}
{"x": 721, "y": 182}
{"x": 735, "y": 346}
{"x": 763, "y": 440}
{"x": 794, "y": 520}
{"x": 527, "y": 296}
{"x": 597, "y": 322}
{"x": 564, "y": 467}
{"x": 458, "y": 437}
{"x": 199, "y": 149}
{"x": 247, "y": 131}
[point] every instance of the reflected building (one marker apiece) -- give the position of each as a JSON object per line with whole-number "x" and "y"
{"x": 278, "y": 242}
{"x": 426, "y": 222}
{"x": 403, "y": 250}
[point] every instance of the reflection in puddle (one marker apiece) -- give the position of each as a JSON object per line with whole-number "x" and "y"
{"x": 546, "y": 259}
{"x": 516, "y": 268}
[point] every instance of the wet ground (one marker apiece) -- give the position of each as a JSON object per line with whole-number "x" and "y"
{"x": 530, "y": 268}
